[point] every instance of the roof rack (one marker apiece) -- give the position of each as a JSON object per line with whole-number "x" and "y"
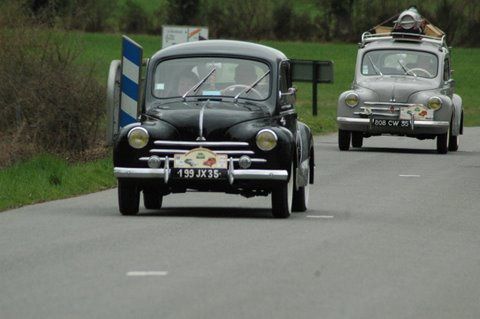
{"x": 409, "y": 25}
{"x": 368, "y": 37}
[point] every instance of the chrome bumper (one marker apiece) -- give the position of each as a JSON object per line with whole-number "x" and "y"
{"x": 366, "y": 123}
{"x": 233, "y": 174}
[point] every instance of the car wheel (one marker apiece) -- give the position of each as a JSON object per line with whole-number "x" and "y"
{"x": 128, "y": 197}
{"x": 344, "y": 140}
{"x": 453, "y": 142}
{"x": 152, "y": 199}
{"x": 442, "y": 143}
{"x": 282, "y": 198}
{"x": 357, "y": 139}
{"x": 300, "y": 196}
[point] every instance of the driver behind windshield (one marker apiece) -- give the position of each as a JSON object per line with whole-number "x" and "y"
{"x": 185, "y": 81}
{"x": 425, "y": 62}
{"x": 245, "y": 74}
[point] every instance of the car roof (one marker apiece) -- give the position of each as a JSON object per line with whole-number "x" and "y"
{"x": 389, "y": 43}
{"x": 222, "y": 47}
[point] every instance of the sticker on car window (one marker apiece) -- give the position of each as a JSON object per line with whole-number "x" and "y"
{"x": 365, "y": 69}
{"x": 211, "y": 92}
{"x": 160, "y": 86}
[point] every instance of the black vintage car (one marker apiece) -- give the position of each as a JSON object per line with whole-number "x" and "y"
{"x": 217, "y": 116}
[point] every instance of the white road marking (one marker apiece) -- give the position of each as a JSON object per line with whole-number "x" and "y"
{"x": 147, "y": 273}
{"x": 409, "y": 175}
{"x": 319, "y": 216}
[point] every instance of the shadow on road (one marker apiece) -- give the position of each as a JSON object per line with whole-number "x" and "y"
{"x": 208, "y": 212}
{"x": 395, "y": 150}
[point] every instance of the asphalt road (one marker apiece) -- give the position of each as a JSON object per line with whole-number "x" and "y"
{"x": 393, "y": 232}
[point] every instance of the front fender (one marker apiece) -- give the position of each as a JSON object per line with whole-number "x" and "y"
{"x": 304, "y": 145}
{"x": 364, "y": 95}
{"x": 125, "y": 155}
{"x": 457, "y": 127}
{"x": 278, "y": 158}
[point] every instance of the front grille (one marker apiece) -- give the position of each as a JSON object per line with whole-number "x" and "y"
{"x": 234, "y": 150}
{"x": 386, "y": 109}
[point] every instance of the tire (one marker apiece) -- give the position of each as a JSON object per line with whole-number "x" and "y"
{"x": 344, "y": 140}
{"x": 300, "y": 196}
{"x": 357, "y": 139}
{"x": 152, "y": 199}
{"x": 453, "y": 141}
{"x": 442, "y": 143}
{"x": 282, "y": 199}
{"x": 128, "y": 197}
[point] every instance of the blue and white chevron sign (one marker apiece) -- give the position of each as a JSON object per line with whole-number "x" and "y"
{"x": 130, "y": 81}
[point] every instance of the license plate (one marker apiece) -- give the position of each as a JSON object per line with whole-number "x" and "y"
{"x": 199, "y": 173}
{"x": 390, "y": 123}
{"x": 200, "y": 163}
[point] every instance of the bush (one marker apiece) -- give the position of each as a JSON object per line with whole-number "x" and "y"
{"x": 85, "y": 15}
{"x": 134, "y": 18}
{"x": 48, "y": 101}
{"x": 182, "y": 12}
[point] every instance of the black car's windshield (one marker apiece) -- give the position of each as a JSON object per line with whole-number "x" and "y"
{"x": 400, "y": 62}
{"x": 175, "y": 77}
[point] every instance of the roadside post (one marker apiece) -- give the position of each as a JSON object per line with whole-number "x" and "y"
{"x": 130, "y": 81}
{"x": 123, "y": 89}
{"x": 314, "y": 71}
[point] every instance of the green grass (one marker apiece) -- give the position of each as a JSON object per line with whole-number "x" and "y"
{"x": 47, "y": 177}
{"x": 102, "y": 48}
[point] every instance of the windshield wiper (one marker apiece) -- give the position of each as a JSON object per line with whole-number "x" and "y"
{"x": 375, "y": 67}
{"x": 251, "y": 86}
{"x": 197, "y": 86}
{"x": 406, "y": 70}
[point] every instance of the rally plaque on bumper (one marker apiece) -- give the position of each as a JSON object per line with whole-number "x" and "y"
{"x": 200, "y": 163}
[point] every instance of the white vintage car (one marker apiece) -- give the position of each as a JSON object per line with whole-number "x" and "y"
{"x": 403, "y": 86}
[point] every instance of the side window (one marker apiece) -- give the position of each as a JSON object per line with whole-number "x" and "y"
{"x": 446, "y": 70}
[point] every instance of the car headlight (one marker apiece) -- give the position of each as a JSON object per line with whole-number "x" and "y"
{"x": 434, "y": 103}
{"x": 352, "y": 99}
{"x": 138, "y": 137}
{"x": 266, "y": 140}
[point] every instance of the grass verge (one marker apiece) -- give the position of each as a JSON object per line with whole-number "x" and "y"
{"x": 47, "y": 177}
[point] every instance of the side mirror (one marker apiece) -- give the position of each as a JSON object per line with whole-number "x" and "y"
{"x": 450, "y": 82}
{"x": 291, "y": 91}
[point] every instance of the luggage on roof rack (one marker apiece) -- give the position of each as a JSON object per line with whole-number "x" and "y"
{"x": 409, "y": 25}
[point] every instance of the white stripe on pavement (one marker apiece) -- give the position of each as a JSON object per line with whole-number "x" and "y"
{"x": 320, "y": 216}
{"x": 147, "y": 273}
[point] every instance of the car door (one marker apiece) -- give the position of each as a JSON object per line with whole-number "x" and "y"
{"x": 287, "y": 115}
{"x": 448, "y": 82}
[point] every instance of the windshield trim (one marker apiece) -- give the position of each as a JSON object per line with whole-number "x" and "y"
{"x": 230, "y": 56}
{"x": 399, "y": 50}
